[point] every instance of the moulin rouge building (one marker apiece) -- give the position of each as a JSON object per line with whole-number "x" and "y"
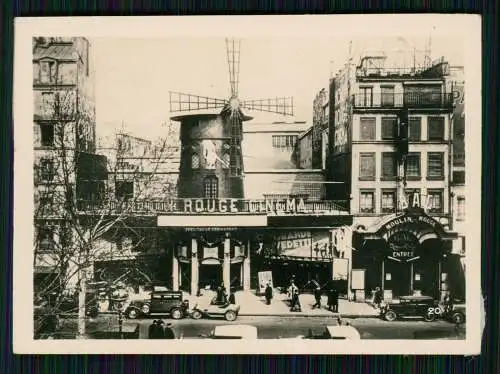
{"x": 242, "y": 205}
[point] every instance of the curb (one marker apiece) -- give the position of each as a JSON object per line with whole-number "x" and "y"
{"x": 308, "y": 315}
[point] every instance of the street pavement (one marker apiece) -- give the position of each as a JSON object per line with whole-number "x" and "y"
{"x": 273, "y": 327}
{"x": 255, "y": 305}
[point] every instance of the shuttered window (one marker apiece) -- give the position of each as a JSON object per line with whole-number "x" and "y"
{"x": 389, "y": 165}
{"x": 435, "y": 128}
{"x": 414, "y": 128}
{"x": 413, "y": 165}
{"x": 367, "y": 166}
{"x": 435, "y": 165}
{"x": 389, "y": 128}
{"x": 367, "y": 128}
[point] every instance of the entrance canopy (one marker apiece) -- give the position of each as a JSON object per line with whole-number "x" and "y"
{"x": 416, "y": 221}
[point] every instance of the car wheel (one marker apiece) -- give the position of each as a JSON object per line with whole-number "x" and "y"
{"x": 458, "y": 318}
{"x": 132, "y": 313}
{"x": 429, "y": 317}
{"x": 390, "y": 316}
{"x": 196, "y": 314}
{"x": 146, "y": 309}
{"x": 230, "y": 315}
{"x": 176, "y": 313}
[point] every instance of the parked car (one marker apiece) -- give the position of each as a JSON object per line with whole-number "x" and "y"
{"x": 233, "y": 332}
{"x": 456, "y": 314}
{"x": 216, "y": 310}
{"x": 159, "y": 302}
{"x": 411, "y": 306}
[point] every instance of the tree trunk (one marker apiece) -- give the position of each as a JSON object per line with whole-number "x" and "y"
{"x": 81, "y": 303}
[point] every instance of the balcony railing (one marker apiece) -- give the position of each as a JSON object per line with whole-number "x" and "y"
{"x": 401, "y": 100}
{"x": 271, "y": 207}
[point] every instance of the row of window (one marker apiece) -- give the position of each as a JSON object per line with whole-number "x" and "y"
{"x": 389, "y": 130}
{"x": 284, "y": 141}
{"x": 389, "y": 165}
{"x": 388, "y": 200}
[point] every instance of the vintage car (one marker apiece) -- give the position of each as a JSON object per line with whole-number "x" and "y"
{"x": 455, "y": 314}
{"x": 411, "y": 306}
{"x": 159, "y": 302}
{"x": 233, "y": 332}
{"x": 216, "y": 310}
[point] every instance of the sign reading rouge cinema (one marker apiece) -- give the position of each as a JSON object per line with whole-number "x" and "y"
{"x": 197, "y": 206}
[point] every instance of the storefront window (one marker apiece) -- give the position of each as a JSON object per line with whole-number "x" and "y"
{"x": 366, "y": 203}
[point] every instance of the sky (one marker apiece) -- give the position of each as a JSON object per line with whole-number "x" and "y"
{"x": 134, "y": 75}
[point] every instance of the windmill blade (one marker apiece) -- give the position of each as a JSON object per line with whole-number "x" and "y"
{"x": 280, "y": 105}
{"x": 233, "y": 61}
{"x": 182, "y": 102}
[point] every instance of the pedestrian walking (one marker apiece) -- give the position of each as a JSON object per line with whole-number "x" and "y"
{"x": 335, "y": 300}
{"x": 232, "y": 298}
{"x": 377, "y": 297}
{"x": 296, "y": 307}
{"x": 317, "y": 297}
{"x": 268, "y": 294}
{"x": 169, "y": 332}
{"x": 329, "y": 302}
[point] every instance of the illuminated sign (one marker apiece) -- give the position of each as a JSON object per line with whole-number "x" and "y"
{"x": 290, "y": 205}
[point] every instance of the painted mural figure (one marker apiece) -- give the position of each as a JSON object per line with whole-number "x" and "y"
{"x": 209, "y": 153}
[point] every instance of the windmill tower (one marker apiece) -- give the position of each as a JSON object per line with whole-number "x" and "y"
{"x": 211, "y": 164}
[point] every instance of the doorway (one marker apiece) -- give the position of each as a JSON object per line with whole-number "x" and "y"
{"x": 210, "y": 275}
{"x": 397, "y": 278}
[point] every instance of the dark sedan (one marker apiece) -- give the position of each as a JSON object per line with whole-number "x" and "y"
{"x": 411, "y": 306}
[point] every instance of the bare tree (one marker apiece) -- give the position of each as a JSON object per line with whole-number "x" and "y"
{"x": 81, "y": 197}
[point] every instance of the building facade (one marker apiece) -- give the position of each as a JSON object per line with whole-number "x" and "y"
{"x": 391, "y": 154}
{"x": 64, "y": 144}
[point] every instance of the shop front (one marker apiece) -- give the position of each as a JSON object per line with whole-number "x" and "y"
{"x": 408, "y": 254}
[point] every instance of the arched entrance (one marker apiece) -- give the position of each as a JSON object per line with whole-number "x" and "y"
{"x": 405, "y": 255}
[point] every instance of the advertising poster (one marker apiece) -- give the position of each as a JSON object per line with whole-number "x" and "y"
{"x": 265, "y": 277}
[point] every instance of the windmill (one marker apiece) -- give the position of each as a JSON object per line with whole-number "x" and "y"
{"x": 211, "y": 143}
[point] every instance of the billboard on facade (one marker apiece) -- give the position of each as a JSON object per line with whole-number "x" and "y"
{"x": 265, "y": 277}
{"x": 340, "y": 269}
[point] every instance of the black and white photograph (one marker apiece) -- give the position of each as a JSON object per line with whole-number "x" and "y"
{"x": 274, "y": 180}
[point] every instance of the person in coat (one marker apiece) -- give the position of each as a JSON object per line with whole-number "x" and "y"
{"x": 269, "y": 294}
{"x": 169, "y": 332}
{"x": 377, "y": 297}
{"x": 232, "y": 298}
{"x": 330, "y": 299}
{"x": 296, "y": 307}
{"x": 155, "y": 330}
{"x": 317, "y": 297}
{"x": 335, "y": 300}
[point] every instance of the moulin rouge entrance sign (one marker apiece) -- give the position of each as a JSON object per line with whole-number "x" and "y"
{"x": 193, "y": 206}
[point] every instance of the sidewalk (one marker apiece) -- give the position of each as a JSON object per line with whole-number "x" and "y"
{"x": 254, "y": 305}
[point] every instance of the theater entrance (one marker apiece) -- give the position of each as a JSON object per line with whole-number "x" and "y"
{"x": 210, "y": 276}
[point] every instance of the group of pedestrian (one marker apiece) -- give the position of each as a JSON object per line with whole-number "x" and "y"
{"x": 332, "y": 299}
{"x": 158, "y": 331}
